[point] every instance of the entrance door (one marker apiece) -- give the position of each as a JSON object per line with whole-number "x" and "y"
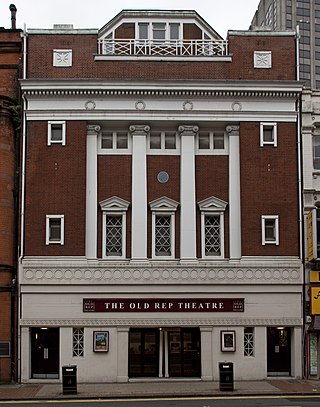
{"x": 45, "y": 353}
{"x": 184, "y": 353}
{"x": 144, "y": 353}
{"x": 279, "y": 351}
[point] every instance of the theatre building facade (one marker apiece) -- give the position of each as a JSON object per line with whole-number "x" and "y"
{"x": 160, "y": 219}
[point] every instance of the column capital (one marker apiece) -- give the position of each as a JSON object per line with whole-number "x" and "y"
{"x": 93, "y": 129}
{"x": 139, "y": 129}
{"x": 188, "y": 130}
{"x": 308, "y": 129}
{"x": 233, "y": 130}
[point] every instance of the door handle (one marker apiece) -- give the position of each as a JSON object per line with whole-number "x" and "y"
{"x": 45, "y": 353}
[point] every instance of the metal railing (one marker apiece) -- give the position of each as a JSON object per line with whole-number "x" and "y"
{"x": 170, "y": 48}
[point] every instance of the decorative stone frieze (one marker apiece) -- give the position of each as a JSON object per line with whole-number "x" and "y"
{"x": 159, "y": 275}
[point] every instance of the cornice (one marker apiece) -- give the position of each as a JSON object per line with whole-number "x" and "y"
{"x": 161, "y": 93}
{"x": 232, "y": 321}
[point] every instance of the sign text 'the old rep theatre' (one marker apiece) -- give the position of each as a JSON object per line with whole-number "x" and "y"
{"x": 163, "y": 305}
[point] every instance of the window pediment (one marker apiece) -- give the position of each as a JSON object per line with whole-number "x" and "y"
{"x": 114, "y": 204}
{"x": 164, "y": 204}
{"x": 212, "y": 204}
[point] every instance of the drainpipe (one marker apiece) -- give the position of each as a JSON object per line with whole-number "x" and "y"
{"x": 301, "y": 212}
{"x": 22, "y": 205}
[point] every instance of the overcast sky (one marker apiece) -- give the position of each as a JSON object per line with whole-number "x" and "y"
{"x": 222, "y": 15}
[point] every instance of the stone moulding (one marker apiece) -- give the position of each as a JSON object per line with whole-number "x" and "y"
{"x": 161, "y": 93}
{"x": 164, "y": 322}
{"x": 160, "y": 275}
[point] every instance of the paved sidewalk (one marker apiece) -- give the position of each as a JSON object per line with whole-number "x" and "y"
{"x": 163, "y": 388}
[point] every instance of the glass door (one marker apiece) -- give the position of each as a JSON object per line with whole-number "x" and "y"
{"x": 45, "y": 353}
{"x": 184, "y": 353}
{"x": 144, "y": 353}
{"x": 279, "y": 351}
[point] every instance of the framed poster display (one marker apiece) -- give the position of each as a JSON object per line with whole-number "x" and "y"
{"x": 228, "y": 341}
{"x": 101, "y": 341}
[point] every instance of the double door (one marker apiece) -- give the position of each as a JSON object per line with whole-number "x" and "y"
{"x": 279, "y": 351}
{"x": 45, "y": 353}
{"x": 164, "y": 352}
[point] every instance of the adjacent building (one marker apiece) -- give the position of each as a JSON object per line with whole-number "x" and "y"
{"x": 160, "y": 219}
{"x": 304, "y": 16}
{"x": 10, "y": 52}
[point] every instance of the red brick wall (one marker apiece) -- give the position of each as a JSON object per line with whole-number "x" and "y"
{"x": 11, "y": 46}
{"x": 269, "y": 187}
{"x": 212, "y": 179}
{"x": 126, "y": 31}
{"x": 171, "y": 189}
{"x": 283, "y": 57}
{"x": 55, "y": 184}
{"x": 5, "y": 326}
{"x": 191, "y": 32}
{"x": 40, "y": 50}
{"x": 10, "y": 59}
{"x": 114, "y": 179}
{"x": 7, "y": 186}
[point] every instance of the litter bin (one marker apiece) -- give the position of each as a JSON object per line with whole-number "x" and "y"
{"x": 69, "y": 379}
{"x": 226, "y": 376}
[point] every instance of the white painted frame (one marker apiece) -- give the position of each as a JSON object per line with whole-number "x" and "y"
{"x": 212, "y": 206}
{"x": 63, "y": 132}
{"x": 167, "y": 207}
{"x": 114, "y": 206}
{"x": 114, "y": 150}
{"x": 274, "y": 142}
{"x": 48, "y": 240}
{"x": 159, "y": 21}
{"x": 211, "y": 150}
{"x": 163, "y": 150}
{"x": 276, "y": 229}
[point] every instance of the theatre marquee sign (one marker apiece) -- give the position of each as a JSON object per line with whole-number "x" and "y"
{"x": 163, "y": 305}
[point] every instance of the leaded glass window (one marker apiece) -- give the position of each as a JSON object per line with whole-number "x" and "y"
{"x": 248, "y": 342}
{"x": 114, "y": 235}
{"x": 212, "y": 235}
{"x": 163, "y": 235}
{"x": 78, "y": 342}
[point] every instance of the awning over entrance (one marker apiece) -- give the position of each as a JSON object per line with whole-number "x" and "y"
{"x": 315, "y": 324}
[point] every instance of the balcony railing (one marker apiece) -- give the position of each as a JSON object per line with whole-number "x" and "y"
{"x": 171, "y": 48}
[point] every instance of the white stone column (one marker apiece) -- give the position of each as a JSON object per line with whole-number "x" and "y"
{"x": 307, "y": 141}
{"x": 91, "y": 191}
{"x": 188, "y": 193}
{"x": 166, "y": 354}
{"x": 296, "y": 352}
{"x": 234, "y": 193}
{"x": 123, "y": 355}
{"x": 139, "y": 192}
{"x": 25, "y": 355}
{"x": 161, "y": 353}
{"x": 206, "y": 353}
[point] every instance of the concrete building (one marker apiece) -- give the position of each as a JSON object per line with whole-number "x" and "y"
{"x": 304, "y": 16}
{"x": 156, "y": 238}
{"x": 10, "y": 52}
